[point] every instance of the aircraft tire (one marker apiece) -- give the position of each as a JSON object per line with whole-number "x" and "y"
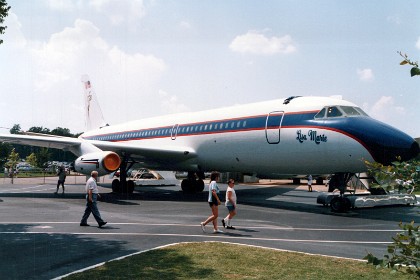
{"x": 116, "y": 186}
{"x": 130, "y": 186}
{"x": 187, "y": 186}
{"x": 340, "y": 204}
{"x": 199, "y": 185}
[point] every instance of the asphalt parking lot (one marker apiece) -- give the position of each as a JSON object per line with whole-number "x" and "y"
{"x": 41, "y": 237}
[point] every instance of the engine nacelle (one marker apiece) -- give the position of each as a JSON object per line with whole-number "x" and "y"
{"x": 103, "y": 162}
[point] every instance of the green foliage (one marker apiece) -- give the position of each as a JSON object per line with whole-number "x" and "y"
{"x": 31, "y": 159}
{"x": 43, "y": 154}
{"x": 11, "y": 163}
{"x": 403, "y": 253}
{"x": 13, "y": 159}
{"x": 398, "y": 176}
{"x": 415, "y": 71}
{"x": 4, "y": 11}
{"x": 5, "y": 149}
{"x": 15, "y": 129}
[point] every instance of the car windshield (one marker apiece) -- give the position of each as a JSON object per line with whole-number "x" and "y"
{"x": 340, "y": 111}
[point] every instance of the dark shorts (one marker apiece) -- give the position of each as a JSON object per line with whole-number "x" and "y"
{"x": 213, "y": 203}
{"x": 230, "y": 208}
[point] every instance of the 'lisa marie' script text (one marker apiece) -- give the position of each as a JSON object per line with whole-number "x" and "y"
{"x": 312, "y": 135}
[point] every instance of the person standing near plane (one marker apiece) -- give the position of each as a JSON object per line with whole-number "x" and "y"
{"x": 309, "y": 183}
{"x": 214, "y": 203}
{"x": 61, "y": 178}
{"x": 230, "y": 204}
{"x": 92, "y": 195}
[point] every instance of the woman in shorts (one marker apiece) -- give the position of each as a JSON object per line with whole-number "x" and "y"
{"x": 230, "y": 204}
{"x": 214, "y": 203}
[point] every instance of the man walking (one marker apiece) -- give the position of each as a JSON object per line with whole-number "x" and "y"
{"x": 61, "y": 178}
{"x": 92, "y": 195}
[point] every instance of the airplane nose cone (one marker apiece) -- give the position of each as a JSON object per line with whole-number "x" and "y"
{"x": 414, "y": 150}
{"x": 393, "y": 145}
{"x": 385, "y": 143}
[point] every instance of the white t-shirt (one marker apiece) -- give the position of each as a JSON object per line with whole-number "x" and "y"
{"x": 91, "y": 185}
{"x": 233, "y": 197}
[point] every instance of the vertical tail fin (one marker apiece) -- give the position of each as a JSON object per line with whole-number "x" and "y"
{"x": 93, "y": 113}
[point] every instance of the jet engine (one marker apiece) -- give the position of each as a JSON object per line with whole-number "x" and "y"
{"x": 103, "y": 162}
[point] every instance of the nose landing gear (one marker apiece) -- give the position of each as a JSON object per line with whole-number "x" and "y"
{"x": 340, "y": 204}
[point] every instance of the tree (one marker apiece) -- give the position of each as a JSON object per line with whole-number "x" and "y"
{"x": 42, "y": 157}
{"x": 39, "y": 129}
{"x": 61, "y": 132}
{"x": 397, "y": 176}
{"x": 13, "y": 159}
{"x": 32, "y": 160}
{"x": 404, "y": 252}
{"x": 415, "y": 71}
{"x": 4, "y": 11}
{"x": 16, "y": 127}
{"x": 5, "y": 149}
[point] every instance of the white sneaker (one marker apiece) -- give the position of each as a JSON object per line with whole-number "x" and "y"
{"x": 217, "y": 231}
{"x": 203, "y": 227}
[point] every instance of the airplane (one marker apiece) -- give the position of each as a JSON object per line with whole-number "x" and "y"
{"x": 270, "y": 139}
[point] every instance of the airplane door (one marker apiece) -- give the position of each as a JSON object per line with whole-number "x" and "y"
{"x": 174, "y": 131}
{"x": 273, "y": 126}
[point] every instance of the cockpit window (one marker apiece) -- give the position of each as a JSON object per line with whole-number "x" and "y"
{"x": 361, "y": 111}
{"x": 333, "y": 112}
{"x": 339, "y": 111}
{"x": 350, "y": 111}
{"x": 320, "y": 114}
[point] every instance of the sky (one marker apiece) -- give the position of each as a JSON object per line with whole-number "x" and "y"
{"x": 147, "y": 58}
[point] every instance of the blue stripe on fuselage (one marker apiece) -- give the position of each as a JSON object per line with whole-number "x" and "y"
{"x": 382, "y": 141}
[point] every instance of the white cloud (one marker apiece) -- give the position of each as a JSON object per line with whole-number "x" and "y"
{"x": 13, "y": 34}
{"x": 365, "y": 74}
{"x": 170, "y": 104}
{"x": 185, "y": 25}
{"x": 120, "y": 11}
{"x": 44, "y": 78}
{"x": 63, "y": 5}
{"x": 418, "y": 43}
{"x": 396, "y": 19}
{"x": 255, "y": 42}
{"x": 385, "y": 110}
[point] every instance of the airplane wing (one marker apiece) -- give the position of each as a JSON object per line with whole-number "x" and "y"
{"x": 148, "y": 153}
{"x": 173, "y": 153}
{"x": 45, "y": 141}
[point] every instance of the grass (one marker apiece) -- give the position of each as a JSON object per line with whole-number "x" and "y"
{"x": 213, "y": 260}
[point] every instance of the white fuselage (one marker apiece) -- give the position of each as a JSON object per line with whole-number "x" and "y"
{"x": 267, "y": 138}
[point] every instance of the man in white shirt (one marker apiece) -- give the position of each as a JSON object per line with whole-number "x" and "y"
{"x": 92, "y": 195}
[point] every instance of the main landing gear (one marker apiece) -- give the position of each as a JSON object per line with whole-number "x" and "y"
{"x": 123, "y": 185}
{"x": 339, "y": 181}
{"x": 194, "y": 182}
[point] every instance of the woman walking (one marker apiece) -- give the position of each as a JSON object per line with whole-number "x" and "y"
{"x": 230, "y": 205}
{"x": 214, "y": 203}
